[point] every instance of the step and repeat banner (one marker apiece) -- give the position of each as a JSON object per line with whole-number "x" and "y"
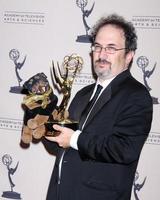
{"x": 35, "y": 33}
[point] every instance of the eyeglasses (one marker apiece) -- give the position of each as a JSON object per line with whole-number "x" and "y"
{"x": 111, "y": 50}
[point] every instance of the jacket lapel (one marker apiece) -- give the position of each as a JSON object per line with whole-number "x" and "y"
{"x": 107, "y": 94}
{"x": 85, "y": 99}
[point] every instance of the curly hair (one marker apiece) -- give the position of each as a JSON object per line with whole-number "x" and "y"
{"x": 119, "y": 22}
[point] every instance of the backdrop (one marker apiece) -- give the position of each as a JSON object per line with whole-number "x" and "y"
{"x": 32, "y": 34}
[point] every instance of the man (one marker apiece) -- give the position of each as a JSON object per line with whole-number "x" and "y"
{"x": 98, "y": 161}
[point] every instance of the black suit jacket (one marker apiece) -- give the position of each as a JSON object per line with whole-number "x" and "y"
{"x": 109, "y": 146}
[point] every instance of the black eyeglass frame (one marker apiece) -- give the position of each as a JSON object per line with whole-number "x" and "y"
{"x": 108, "y": 49}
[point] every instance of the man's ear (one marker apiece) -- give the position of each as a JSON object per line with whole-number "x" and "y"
{"x": 129, "y": 57}
{"x": 91, "y": 54}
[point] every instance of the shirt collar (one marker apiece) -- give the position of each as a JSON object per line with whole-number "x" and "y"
{"x": 105, "y": 83}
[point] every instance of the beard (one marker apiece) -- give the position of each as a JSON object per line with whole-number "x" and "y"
{"x": 101, "y": 71}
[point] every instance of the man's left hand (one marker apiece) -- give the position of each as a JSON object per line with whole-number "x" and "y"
{"x": 64, "y": 136}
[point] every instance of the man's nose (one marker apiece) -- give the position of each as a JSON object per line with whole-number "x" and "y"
{"x": 103, "y": 54}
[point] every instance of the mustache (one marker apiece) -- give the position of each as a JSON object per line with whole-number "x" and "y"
{"x": 102, "y": 61}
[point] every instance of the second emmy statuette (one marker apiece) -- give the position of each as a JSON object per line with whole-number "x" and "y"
{"x": 64, "y": 78}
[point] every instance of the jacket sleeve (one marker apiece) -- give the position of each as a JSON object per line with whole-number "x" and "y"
{"x": 128, "y": 133}
{"x": 51, "y": 147}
